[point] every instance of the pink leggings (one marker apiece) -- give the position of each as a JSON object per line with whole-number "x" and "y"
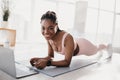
{"x": 86, "y": 47}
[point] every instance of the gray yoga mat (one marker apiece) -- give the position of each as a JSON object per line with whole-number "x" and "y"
{"x": 55, "y": 71}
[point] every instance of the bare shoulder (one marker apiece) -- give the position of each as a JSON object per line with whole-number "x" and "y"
{"x": 69, "y": 37}
{"x": 69, "y": 43}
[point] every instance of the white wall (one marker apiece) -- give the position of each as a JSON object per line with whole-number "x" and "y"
{"x": 100, "y": 24}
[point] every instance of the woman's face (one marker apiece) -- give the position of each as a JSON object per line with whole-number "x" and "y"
{"x": 48, "y": 29}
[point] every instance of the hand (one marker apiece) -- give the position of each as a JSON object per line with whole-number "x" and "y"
{"x": 41, "y": 63}
{"x": 33, "y": 61}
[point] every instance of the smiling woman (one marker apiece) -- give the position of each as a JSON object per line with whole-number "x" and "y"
{"x": 63, "y": 43}
{"x": 49, "y": 27}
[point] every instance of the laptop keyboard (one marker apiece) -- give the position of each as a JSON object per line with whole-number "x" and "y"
{"x": 22, "y": 70}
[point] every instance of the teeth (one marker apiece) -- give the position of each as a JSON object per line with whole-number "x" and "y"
{"x": 47, "y": 35}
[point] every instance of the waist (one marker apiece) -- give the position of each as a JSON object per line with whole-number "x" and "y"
{"x": 76, "y": 50}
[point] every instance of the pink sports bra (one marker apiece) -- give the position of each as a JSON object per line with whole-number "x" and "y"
{"x": 63, "y": 39}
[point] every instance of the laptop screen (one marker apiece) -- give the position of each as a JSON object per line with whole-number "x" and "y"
{"x": 7, "y": 63}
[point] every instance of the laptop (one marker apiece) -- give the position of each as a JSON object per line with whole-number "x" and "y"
{"x": 8, "y": 65}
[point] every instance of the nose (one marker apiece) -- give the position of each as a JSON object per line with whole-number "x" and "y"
{"x": 45, "y": 31}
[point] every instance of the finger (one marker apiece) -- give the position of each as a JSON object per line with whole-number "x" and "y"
{"x": 38, "y": 66}
{"x": 33, "y": 61}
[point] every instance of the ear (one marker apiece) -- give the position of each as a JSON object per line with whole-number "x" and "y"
{"x": 56, "y": 27}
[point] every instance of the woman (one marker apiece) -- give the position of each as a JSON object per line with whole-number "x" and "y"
{"x": 61, "y": 42}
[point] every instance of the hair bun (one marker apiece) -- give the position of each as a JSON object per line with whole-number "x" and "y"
{"x": 50, "y": 15}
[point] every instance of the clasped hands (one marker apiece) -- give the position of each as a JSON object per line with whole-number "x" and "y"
{"x": 39, "y": 63}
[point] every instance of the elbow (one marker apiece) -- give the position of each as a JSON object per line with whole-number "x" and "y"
{"x": 67, "y": 64}
{"x": 63, "y": 63}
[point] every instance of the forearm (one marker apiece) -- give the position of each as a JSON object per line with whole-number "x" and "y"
{"x": 61, "y": 63}
{"x": 47, "y": 58}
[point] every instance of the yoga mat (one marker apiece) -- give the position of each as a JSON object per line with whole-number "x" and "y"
{"x": 56, "y": 71}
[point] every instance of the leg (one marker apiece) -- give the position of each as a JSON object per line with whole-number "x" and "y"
{"x": 88, "y": 48}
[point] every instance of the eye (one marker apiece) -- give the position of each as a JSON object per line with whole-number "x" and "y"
{"x": 50, "y": 28}
{"x": 42, "y": 28}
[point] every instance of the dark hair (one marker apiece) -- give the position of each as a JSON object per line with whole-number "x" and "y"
{"x": 52, "y": 16}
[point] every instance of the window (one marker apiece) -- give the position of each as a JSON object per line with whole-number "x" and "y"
{"x": 101, "y": 21}
{"x": 26, "y": 18}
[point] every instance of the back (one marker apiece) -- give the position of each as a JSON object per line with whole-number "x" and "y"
{"x": 7, "y": 63}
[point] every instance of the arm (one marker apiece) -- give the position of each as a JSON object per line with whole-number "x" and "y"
{"x": 41, "y": 62}
{"x": 50, "y": 51}
{"x": 69, "y": 49}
